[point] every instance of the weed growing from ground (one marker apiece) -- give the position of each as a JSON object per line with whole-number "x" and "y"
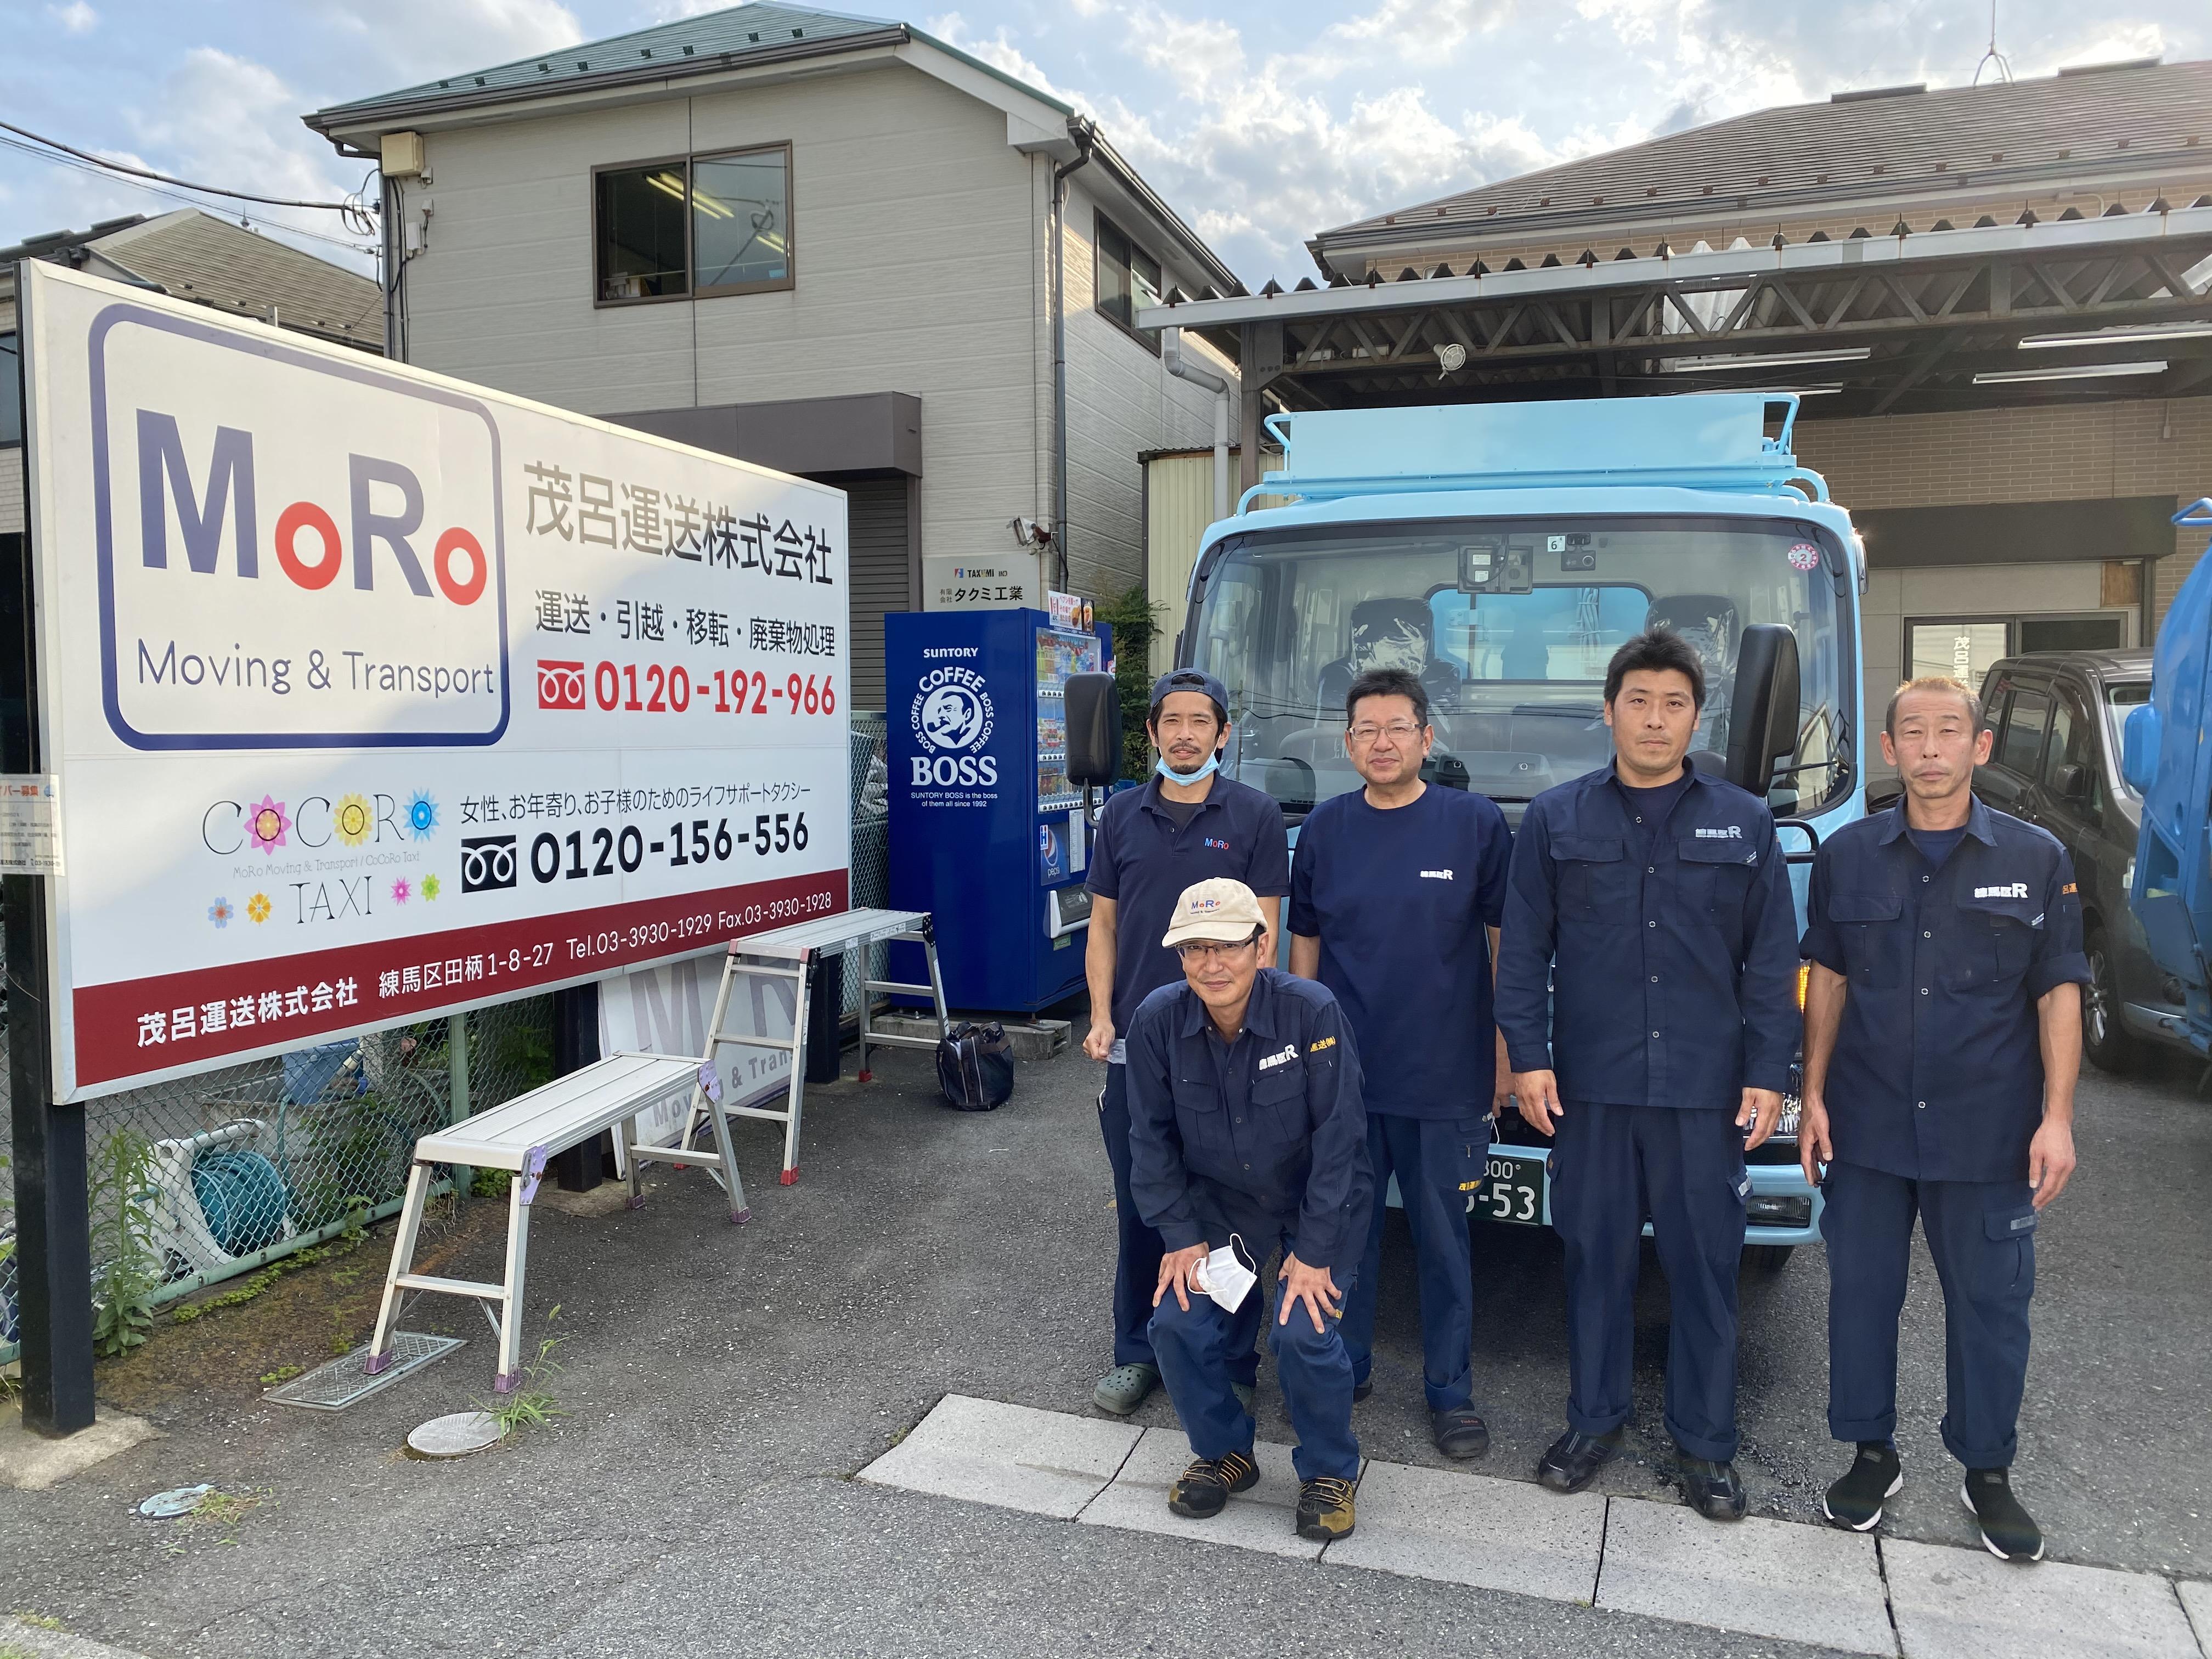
{"x": 533, "y": 1405}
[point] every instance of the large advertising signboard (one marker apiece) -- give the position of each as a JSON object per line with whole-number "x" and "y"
{"x": 374, "y": 696}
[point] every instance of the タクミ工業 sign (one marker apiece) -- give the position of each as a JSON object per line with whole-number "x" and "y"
{"x": 374, "y": 696}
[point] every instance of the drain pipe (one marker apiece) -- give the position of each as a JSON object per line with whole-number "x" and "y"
{"x": 1182, "y": 368}
{"x": 1081, "y": 132}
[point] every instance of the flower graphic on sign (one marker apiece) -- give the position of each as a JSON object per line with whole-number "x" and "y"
{"x": 265, "y": 824}
{"x": 430, "y": 887}
{"x": 422, "y": 815}
{"x": 352, "y": 820}
{"x": 257, "y": 908}
{"x": 400, "y": 890}
{"x": 220, "y": 913}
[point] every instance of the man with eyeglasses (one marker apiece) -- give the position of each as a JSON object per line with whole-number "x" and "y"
{"x": 1646, "y": 987}
{"x": 1188, "y": 824}
{"x": 1395, "y": 899}
{"x": 1247, "y": 1130}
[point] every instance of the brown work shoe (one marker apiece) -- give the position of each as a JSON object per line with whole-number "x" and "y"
{"x": 1325, "y": 1509}
{"x": 1202, "y": 1490}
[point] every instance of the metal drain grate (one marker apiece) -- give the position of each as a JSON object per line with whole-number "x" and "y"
{"x": 343, "y": 1383}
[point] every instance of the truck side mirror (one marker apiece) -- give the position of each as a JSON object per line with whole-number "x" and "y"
{"x": 1094, "y": 730}
{"x": 2071, "y": 782}
{"x": 1763, "y": 714}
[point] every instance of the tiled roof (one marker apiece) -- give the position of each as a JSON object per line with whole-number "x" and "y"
{"x": 713, "y": 40}
{"x": 1851, "y": 147}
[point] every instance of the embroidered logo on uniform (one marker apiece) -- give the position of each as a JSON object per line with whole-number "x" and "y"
{"x": 2020, "y": 1224}
{"x": 1325, "y": 1043}
{"x": 1271, "y": 1061}
{"x": 1734, "y": 832}
{"x": 1436, "y": 875}
{"x": 2067, "y": 888}
{"x": 1218, "y": 845}
{"x": 2012, "y": 889}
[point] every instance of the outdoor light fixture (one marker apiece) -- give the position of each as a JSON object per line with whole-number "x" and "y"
{"x": 1029, "y": 534}
{"x": 2069, "y": 371}
{"x": 1451, "y": 357}
{"x": 1763, "y": 360}
{"x": 2151, "y": 334}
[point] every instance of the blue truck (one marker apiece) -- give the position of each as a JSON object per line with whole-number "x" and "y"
{"x": 1502, "y": 551}
{"x": 2167, "y": 757}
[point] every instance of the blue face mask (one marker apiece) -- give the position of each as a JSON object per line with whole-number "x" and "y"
{"x": 1212, "y": 765}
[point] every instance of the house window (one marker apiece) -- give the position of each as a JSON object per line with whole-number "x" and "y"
{"x": 701, "y": 225}
{"x": 1128, "y": 280}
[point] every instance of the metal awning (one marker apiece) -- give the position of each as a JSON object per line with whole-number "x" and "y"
{"x": 2118, "y": 307}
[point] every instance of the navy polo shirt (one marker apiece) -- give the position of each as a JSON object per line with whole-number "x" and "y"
{"x": 1938, "y": 1069}
{"x": 1401, "y": 899}
{"x": 1262, "y": 1136}
{"x": 1142, "y": 860}
{"x": 1665, "y": 977}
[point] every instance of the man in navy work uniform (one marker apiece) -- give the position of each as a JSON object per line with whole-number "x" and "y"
{"x": 1246, "y": 1125}
{"x": 1653, "y": 900}
{"x": 1185, "y": 825}
{"x": 1942, "y": 1036}
{"x": 1395, "y": 899}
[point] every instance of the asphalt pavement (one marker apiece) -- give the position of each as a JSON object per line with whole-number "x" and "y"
{"x": 721, "y": 1386}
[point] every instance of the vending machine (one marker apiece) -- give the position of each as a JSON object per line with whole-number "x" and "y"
{"x": 987, "y": 833}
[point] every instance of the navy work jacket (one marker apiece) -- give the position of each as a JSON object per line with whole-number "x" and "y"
{"x": 1262, "y": 1136}
{"x": 1665, "y": 980}
{"x": 1142, "y": 861}
{"x": 1938, "y": 1069}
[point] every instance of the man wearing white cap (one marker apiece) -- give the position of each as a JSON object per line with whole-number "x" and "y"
{"x": 1247, "y": 1125}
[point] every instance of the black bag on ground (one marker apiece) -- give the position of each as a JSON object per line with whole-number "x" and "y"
{"x": 975, "y": 1067}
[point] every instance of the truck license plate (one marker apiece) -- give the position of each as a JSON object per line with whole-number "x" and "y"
{"x": 1512, "y": 1190}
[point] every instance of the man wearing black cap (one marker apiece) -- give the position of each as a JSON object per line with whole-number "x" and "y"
{"x": 1187, "y": 824}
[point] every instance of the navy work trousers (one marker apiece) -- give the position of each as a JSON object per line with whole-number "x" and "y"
{"x": 1137, "y": 1258}
{"x": 1437, "y": 1163}
{"x": 1982, "y": 1235}
{"x": 1612, "y": 1166}
{"x": 1198, "y": 1348}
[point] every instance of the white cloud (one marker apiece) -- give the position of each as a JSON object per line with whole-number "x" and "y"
{"x": 411, "y": 40}
{"x": 998, "y": 51}
{"x": 77, "y": 17}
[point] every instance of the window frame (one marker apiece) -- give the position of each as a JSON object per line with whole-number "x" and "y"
{"x": 2033, "y": 686}
{"x": 687, "y": 160}
{"x": 1100, "y": 223}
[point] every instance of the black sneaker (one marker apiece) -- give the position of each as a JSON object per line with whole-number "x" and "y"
{"x": 1856, "y": 1500}
{"x": 2008, "y": 1530}
{"x": 1361, "y": 1390}
{"x": 1460, "y": 1433}
{"x": 1575, "y": 1459}
{"x": 1711, "y": 1489}
{"x": 1203, "y": 1491}
{"x": 1325, "y": 1509}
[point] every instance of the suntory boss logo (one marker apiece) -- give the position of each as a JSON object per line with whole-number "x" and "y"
{"x": 292, "y": 550}
{"x": 951, "y": 713}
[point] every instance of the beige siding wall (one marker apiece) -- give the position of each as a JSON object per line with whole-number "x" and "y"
{"x": 11, "y": 489}
{"x": 915, "y": 245}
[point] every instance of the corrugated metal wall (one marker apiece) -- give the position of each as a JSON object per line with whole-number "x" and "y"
{"x": 878, "y": 527}
{"x": 1178, "y": 507}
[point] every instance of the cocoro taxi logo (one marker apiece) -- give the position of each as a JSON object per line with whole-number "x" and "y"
{"x": 293, "y": 549}
{"x": 951, "y": 713}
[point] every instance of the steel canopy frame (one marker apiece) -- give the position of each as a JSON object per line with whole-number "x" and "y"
{"x": 1929, "y": 310}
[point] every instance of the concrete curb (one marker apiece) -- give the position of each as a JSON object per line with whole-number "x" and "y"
{"x": 19, "y": 1636}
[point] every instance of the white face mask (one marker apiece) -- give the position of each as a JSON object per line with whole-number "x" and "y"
{"x": 1224, "y": 1276}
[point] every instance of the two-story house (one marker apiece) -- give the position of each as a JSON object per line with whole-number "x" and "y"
{"x": 830, "y": 244}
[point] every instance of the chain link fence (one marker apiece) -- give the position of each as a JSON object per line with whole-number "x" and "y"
{"x": 206, "y": 1177}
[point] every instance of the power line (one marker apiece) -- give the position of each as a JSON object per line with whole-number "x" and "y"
{"x": 155, "y": 190}
{"x": 349, "y": 207}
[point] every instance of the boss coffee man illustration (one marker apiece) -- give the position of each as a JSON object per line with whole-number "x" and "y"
{"x": 1942, "y": 1036}
{"x": 1246, "y": 1128}
{"x": 1187, "y": 824}
{"x": 1395, "y": 899}
{"x": 1646, "y": 987}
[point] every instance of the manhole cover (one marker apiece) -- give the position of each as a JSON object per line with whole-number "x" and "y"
{"x": 180, "y": 1500}
{"x": 343, "y": 1383}
{"x": 456, "y": 1435}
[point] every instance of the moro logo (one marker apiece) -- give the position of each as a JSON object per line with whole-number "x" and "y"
{"x": 951, "y": 713}
{"x": 560, "y": 685}
{"x": 487, "y": 862}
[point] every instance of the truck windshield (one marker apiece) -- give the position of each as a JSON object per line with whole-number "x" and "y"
{"x": 1515, "y": 678}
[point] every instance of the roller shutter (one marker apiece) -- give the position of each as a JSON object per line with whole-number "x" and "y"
{"x": 878, "y": 509}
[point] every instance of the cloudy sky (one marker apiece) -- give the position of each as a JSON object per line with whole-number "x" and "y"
{"x": 1260, "y": 132}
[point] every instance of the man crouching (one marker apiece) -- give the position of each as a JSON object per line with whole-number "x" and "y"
{"x": 1247, "y": 1125}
